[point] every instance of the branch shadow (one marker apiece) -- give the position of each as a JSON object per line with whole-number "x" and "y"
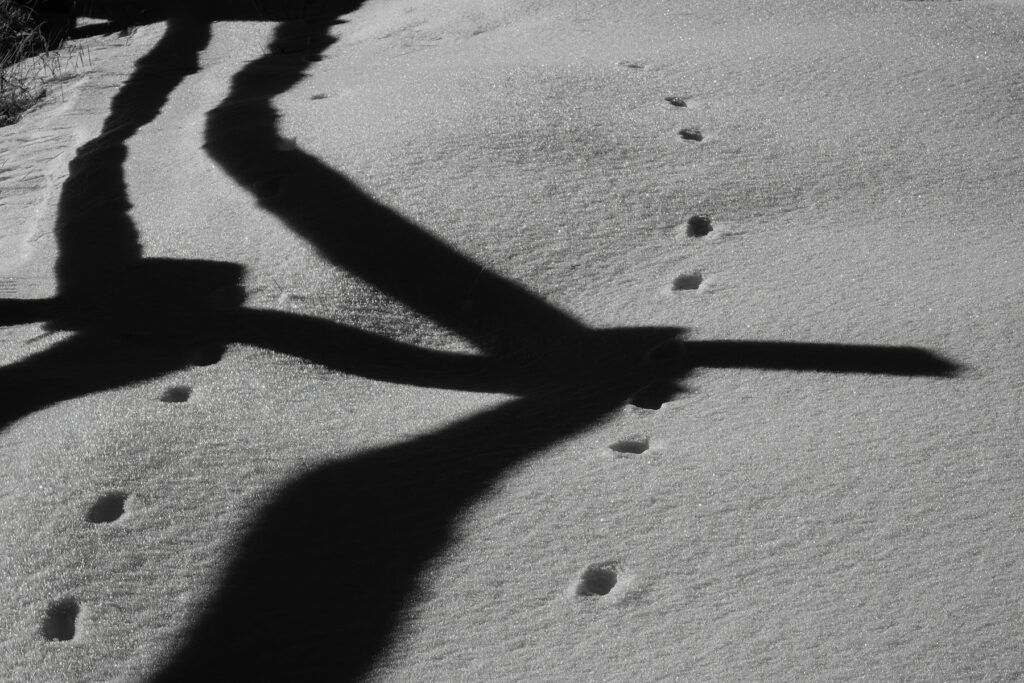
{"x": 167, "y": 314}
{"x": 102, "y": 283}
{"x": 317, "y": 587}
{"x": 319, "y": 583}
{"x": 355, "y": 233}
{"x": 121, "y": 14}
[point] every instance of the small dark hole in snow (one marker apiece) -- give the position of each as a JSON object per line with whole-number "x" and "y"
{"x": 598, "y": 579}
{"x": 633, "y": 446}
{"x": 59, "y": 622}
{"x": 107, "y": 508}
{"x": 687, "y": 281}
{"x": 176, "y": 394}
{"x": 319, "y": 96}
{"x": 676, "y": 101}
{"x": 691, "y": 134}
{"x": 698, "y": 226}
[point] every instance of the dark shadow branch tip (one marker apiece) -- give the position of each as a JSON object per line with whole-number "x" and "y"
{"x": 907, "y": 361}
{"x": 23, "y": 311}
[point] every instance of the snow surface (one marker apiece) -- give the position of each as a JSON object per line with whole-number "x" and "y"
{"x": 861, "y": 165}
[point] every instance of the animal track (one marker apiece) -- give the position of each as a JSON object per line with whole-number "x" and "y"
{"x": 598, "y": 579}
{"x": 630, "y": 64}
{"x": 676, "y": 101}
{"x": 691, "y": 134}
{"x": 698, "y": 226}
{"x": 108, "y": 508}
{"x": 59, "y": 622}
{"x": 634, "y": 445}
{"x": 687, "y": 281}
{"x": 178, "y": 394}
{"x": 319, "y": 96}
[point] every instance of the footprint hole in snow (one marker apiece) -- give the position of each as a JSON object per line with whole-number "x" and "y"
{"x": 319, "y": 96}
{"x": 634, "y": 445}
{"x": 676, "y": 101}
{"x": 59, "y": 621}
{"x": 687, "y": 281}
{"x": 691, "y": 134}
{"x": 178, "y": 394}
{"x": 598, "y": 579}
{"x": 108, "y": 508}
{"x": 698, "y": 226}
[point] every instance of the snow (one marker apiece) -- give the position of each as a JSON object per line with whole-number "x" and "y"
{"x": 430, "y": 516}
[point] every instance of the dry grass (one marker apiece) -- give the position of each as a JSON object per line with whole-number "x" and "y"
{"x": 27, "y": 61}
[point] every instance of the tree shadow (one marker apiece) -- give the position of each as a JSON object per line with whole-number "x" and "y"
{"x": 317, "y": 586}
{"x": 103, "y": 292}
{"x": 324, "y": 572}
{"x": 163, "y": 315}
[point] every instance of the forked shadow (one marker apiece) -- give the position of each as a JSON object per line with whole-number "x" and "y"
{"x": 99, "y": 293}
{"x": 135, "y": 318}
{"x": 317, "y": 587}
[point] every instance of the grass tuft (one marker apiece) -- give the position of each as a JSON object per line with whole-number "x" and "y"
{"x": 27, "y": 58}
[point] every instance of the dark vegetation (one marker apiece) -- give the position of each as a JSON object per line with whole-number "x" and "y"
{"x": 31, "y": 33}
{"x": 22, "y": 36}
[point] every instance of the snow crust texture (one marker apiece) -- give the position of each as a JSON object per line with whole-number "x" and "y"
{"x": 489, "y": 340}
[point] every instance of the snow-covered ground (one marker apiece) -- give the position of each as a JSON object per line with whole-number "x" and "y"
{"x": 492, "y": 186}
